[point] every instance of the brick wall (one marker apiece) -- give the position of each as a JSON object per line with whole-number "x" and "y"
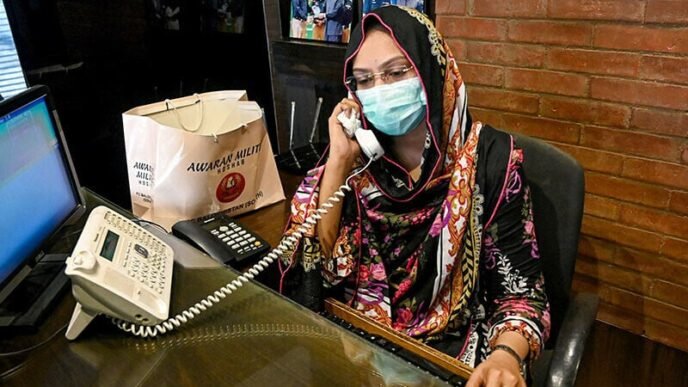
{"x": 607, "y": 82}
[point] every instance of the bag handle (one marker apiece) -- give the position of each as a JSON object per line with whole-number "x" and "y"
{"x": 199, "y": 101}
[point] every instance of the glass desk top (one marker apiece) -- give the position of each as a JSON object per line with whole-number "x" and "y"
{"x": 254, "y": 337}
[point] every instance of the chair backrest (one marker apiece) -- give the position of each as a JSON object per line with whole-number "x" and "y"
{"x": 558, "y": 189}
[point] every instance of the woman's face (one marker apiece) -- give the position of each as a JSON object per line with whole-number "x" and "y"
{"x": 379, "y": 56}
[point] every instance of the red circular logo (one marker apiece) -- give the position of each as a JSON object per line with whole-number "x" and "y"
{"x": 230, "y": 187}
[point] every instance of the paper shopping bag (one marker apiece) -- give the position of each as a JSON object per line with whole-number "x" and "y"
{"x": 199, "y": 155}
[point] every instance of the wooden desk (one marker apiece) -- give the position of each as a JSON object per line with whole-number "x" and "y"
{"x": 253, "y": 338}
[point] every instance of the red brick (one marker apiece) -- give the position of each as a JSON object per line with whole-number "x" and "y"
{"x": 666, "y": 11}
{"x": 669, "y": 174}
{"x": 662, "y": 68}
{"x": 657, "y": 310}
{"x": 506, "y": 54}
{"x": 631, "y": 10}
{"x": 458, "y": 48}
{"x": 662, "y": 122}
{"x": 623, "y": 235}
{"x": 612, "y": 275}
{"x": 594, "y": 62}
{"x": 679, "y": 203}
{"x": 601, "y": 207}
{"x": 508, "y": 8}
{"x": 628, "y": 142}
{"x": 676, "y": 248}
{"x": 584, "y": 283}
{"x": 618, "y": 297}
{"x": 542, "y": 128}
{"x": 471, "y": 28}
{"x": 666, "y": 312}
{"x": 668, "y": 292}
{"x": 479, "y": 74}
{"x": 621, "y": 318}
{"x": 596, "y": 248}
{"x": 667, "y": 334}
{"x": 653, "y": 265}
{"x": 639, "y": 38}
{"x": 639, "y": 92}
{"x": 547, "y": 32}
{"x": 654, "y": 220}
{"x": 585, "y": 111}
{"x": 491, "y": 117}
{"x": 595, "y": 159}
{"x": 547, "y": 82}
{"x": 627, "y": 190}
{"x": 502, "y": 100}
{"x": 452, "y": 7}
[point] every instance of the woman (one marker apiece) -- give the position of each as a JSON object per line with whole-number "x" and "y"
{"x": 436, "y": 239}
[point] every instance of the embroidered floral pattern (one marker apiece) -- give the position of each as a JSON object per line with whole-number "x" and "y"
{"x": 436, "y": 41}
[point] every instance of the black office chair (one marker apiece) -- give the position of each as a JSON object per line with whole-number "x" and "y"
{"x": 557, "y": 186}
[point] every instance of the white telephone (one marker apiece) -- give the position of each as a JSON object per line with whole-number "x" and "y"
{"x": 120, "y": 269}
{"x": 365, "y": 138}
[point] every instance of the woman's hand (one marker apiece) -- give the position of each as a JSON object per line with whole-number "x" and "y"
{"x": 499, "y": 369}
{"x": 343, "y": 154}
{"x": 343, "y": 150}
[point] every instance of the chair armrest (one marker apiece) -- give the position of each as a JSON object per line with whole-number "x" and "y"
{"x": 573, "y": 335}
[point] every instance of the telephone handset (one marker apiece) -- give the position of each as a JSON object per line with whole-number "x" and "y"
{"x": 366, "y": 139}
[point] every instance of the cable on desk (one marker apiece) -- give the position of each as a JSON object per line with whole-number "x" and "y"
{"x": 288, "y": 241}
{"x": 139, "y": 221}
{"x": 12, "y": 370}
{"x": 31, "y": 348}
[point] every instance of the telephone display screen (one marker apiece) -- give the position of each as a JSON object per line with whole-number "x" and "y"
{"x": 109, "y": 246}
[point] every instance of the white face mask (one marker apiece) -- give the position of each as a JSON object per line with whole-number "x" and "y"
{"x": 396, "y": 108}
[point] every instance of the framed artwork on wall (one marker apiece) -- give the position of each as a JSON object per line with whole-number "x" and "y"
{"x": 165, "y": 14}
{"x": 223, "y": 16}
{"x": 369, "y": 5}
{"x": 321, "y": 20}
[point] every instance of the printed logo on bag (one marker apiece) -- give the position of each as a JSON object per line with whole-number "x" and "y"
{"x": 231, "y": 186}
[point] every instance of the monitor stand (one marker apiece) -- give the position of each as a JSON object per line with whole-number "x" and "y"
{"x": 24, "y": 308}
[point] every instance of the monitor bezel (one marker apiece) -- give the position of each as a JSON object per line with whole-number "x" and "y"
{"x": 8, "y": 106}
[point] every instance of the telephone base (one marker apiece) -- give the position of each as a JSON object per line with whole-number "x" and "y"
{"x": 25, "y": 308}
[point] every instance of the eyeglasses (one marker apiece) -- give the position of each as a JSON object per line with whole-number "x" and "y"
{"x": 366, "y": 81}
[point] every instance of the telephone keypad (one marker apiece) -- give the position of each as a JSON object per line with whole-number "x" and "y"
{"x": 148, "y": 268}
{"x": 240, "y": 241}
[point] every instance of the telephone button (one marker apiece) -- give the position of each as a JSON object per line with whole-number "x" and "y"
{"x": 224, "y": 228}
{"x": 141, "y": 250}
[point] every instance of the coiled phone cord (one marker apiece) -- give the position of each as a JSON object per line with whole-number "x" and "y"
{"x": 288, "y": 241}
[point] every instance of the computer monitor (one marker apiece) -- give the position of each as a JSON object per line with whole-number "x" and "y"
{"x": 39, "y": 194}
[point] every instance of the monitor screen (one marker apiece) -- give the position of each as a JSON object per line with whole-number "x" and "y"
{"x": 38, "y": 192}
